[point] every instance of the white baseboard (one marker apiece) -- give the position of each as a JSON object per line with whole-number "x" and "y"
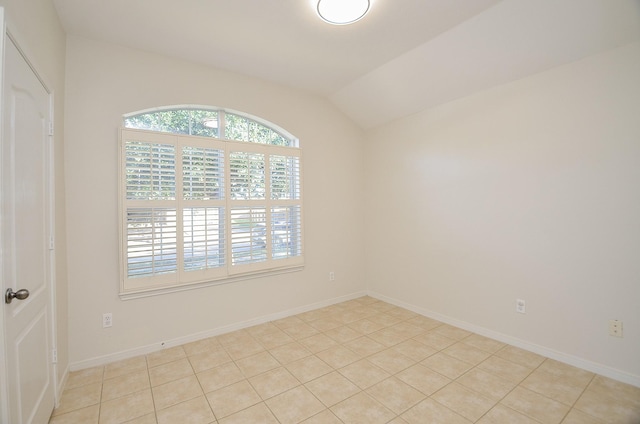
{"x": 531, "y": 347}
{"x": 164, "y": 344}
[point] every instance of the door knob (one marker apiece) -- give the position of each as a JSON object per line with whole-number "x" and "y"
{"x": 20, "y": 295}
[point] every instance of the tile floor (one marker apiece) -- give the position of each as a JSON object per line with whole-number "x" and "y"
{"x": 361, "y": 361}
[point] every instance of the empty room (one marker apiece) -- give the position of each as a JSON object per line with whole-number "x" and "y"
{"x": 320, "y": 211}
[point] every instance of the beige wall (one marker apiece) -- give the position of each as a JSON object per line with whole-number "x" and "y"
{"x": 105, "y": 81}
{"x": 37, "y": 29}
{"x": 529, "y": 190}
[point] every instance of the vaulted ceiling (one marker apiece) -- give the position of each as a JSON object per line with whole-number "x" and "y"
{"x": 403, "y": 57}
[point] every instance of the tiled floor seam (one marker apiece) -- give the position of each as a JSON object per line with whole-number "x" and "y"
{"x": 346, "y": 318}
{"x": 593, "y": 377}
{"x": 101, "y": 393}
{"x": 203, "y": 394}
{"x": 571, "y": 407}
{"x": 445, "y": 406}
{"x": 573, "y": 404}
{"x": 514, "y": 388}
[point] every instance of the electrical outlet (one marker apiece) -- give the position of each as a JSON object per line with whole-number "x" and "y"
{"x": 520, "y": 306}
{"x": 107, "y": 320}
{"x": 615, "y": 328}
{"x": 332, "y": 276}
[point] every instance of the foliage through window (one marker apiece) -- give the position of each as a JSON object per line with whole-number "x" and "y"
{"x": 209, "y": 123}
{"x": 207, "y": 195}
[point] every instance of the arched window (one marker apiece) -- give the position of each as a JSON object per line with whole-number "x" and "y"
{"x": 207, "y": 196}
{"x": 190, "y": 120}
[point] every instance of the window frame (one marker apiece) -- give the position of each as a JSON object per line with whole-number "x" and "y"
{"x": 221, "y": 113}
{"x": 181, "y": 279}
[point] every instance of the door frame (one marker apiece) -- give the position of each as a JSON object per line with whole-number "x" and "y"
{"x": 9, "y": 34}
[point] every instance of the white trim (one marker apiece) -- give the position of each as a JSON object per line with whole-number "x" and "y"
{"x": 221, "y": 111}
{"x": 10, "y": 32}
{"x": 52, "y": 247}
{"x": 4, "y": 388}
{"x": 133, "y": 294}
{"x": 541, "y": 350}
{"x": 14, "y": 34}
{"x": 144, "y": 350}
{"x": 180, "y": 279}
{"x": 575, "y": 361}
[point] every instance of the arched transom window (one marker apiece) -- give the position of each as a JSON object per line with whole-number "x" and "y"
{"x": 207, "y": 196}
{"x": 210, "y": 123}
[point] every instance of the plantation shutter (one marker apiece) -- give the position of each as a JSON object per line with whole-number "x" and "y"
{"x": 203, "y": 209}
{"x": 196, "y": 209}
{"x": 265, "y": 207}
{"x": 150, "y": 209}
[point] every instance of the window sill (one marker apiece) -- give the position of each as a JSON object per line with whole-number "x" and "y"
{"x": 148, "y": 292}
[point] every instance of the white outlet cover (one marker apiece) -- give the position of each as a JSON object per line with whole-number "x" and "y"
{"x": 615, "y": 328}
{"x": 107, "y": 320}
{"x": 520, "y": 306}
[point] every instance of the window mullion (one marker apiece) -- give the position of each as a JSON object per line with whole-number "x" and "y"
{"x": 222, "y": 124}
{"x": 266, "y": 207}
{"x": 179, "y": 210}
{"x": 227, "y": 199}
{"x": 267, "y": 198}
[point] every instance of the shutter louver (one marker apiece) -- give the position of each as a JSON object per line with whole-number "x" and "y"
{"x": 203, "y": 173}
{"x": 151, "y": 241}
{"x": 247, "y": 175}
{"x": 196, "y": 210}
{"x": 151, "y": 171}
{"x": 248, "y": 235}
{"x": 285, "y": 177}
{"x": 286, "y": 232}
{"x": 204, "y": 239}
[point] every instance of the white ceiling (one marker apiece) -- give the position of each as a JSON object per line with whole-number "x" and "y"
{"x": 405, "y": 56}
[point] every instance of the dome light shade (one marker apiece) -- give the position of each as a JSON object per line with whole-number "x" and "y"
{"x": 342, "y": 12}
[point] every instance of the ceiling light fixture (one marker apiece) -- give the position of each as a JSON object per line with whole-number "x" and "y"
{"x": 342, "y": 12}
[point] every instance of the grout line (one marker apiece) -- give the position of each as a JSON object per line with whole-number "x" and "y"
{"x": 393, "y": 316}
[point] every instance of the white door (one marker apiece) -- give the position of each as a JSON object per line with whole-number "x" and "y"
{"x": 25, "y": 232}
